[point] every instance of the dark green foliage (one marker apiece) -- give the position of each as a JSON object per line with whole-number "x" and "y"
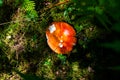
{"x": 113, "y": 11}
{"x": 115, "y": 45}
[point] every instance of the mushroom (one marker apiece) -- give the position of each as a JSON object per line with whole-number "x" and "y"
{"x": 61, "y": 37}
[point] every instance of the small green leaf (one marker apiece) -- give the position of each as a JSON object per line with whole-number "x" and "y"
{"x": 28, "y": 5}
{"x": 1, "y": 2}
{"x": 34, "y": 37}
{"x": 78, "y": 28}
{"x": 98, "y": 10}
{"x": 61, "y": 57}
{"x": 48, "y": 62}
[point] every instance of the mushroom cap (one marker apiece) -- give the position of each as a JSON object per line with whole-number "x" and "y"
{"x": 61, "y": 37}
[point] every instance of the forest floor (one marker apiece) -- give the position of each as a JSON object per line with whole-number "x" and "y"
{"x": 25, "y": 54}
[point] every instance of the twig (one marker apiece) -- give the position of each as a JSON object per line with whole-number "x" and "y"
{"x": 52, "y": 6}
{"x": 60, "y": 3}
{"x": 7, "y": 22}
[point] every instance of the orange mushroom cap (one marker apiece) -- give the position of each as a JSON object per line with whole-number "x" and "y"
{"x": 61, "y": 37}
